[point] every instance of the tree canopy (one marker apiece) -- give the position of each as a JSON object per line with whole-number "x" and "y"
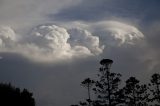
{"x": 12, "y": 96}
{"x": 108, "y": 91}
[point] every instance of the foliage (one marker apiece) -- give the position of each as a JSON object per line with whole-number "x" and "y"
{"x": 107, "y": 88}
{"x": 108, "y": 92}
{"x": 135, "y": 94}
{"x": 11, "y": 96}
{"x": 155, "y": 88}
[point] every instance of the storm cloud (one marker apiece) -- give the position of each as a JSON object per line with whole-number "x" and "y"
{"x": 52, "y": 43}
{"x": 88, "y": 10}
{"x": 50, "y": 46}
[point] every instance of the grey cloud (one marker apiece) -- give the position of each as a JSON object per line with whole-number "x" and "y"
{"x": 151, "y": 57}
{"x": 50, "y": 83}
{"x": 134, "y": 48}
{"x": 89, "y": 10}
{"x": 53, "y": 83}
{"x": 22, "y": 14}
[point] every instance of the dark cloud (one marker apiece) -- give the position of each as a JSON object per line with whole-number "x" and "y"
{"x": 152, "y": 33}
{"x": 50, "y": 83}
{"x": 152, "y": 42}
{"x": 89, "y": 10}
{"x": 56, "y": 82}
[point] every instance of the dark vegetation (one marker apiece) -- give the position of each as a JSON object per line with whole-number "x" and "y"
{"x": 12, "y": 96}
{"x": 108, "y": 91}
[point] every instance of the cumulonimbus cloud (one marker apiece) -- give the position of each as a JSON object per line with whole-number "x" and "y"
{"x": 53, "y": 43}
{"x": 50, "y": 43}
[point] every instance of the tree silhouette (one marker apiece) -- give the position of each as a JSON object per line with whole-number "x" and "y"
{"x": 108, "y": 93}
{"x": 11, "y": 96}
{"x": 155, "y": 88}
{"x": 107, "y": 86}
{"x": 88, "y": 83}
{"x": 135, "y": 94}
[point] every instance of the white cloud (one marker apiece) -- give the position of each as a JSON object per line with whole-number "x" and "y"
{"x": 117, "y": 33}
{"x": 51, "y": 43}
{"x": 51, "y": 37}
{"x": 47, "y": 43}
{"x": 85, "y": 38}
{"x": 7, "y": 36}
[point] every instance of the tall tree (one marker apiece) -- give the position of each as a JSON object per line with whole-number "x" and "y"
{"x": 88, "y": 83}
{"x": 155, "y": 88}
{"x": 107, "y": 86}
{"x": 135, "y": 94}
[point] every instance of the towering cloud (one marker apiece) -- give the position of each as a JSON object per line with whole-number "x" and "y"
{"x": 85, "y": 38}
{"x": 51, "y": 43}
{"x": 54, "y": 43}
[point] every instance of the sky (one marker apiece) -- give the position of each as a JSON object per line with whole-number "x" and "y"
{"x": 50, "y": 46}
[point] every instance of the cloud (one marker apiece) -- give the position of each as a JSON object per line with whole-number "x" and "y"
{"x": 97, "y": 10}
{"x": 151, "y": 47}
{"x": 51, "y": 43}
{"x": 84, "y": 31}
{"x": 22, "y": 14}
{"x": 54, "y": 43}
{"x": 7, "y": 36}
{"x": 116, "y": 33}
{"x": 85, "y": 38}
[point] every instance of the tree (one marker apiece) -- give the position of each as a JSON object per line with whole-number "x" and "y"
{"x": 88, "y": 83}
{"x": 135, "y": 94}
{"x": 155, "y": 88}
{"x": 107, "y": 86}
{"x": 11, "y": 96}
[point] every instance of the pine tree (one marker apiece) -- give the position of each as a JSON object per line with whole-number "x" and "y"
{"x": 155, "y": 88}
{"x": 107, "y": 86}
{"x": 135, "y": 94}
{"x": 88, "y": 83}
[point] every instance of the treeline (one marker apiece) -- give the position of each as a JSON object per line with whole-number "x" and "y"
{"x": 108, "y": 91}
{"x": 12, "y": 96}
